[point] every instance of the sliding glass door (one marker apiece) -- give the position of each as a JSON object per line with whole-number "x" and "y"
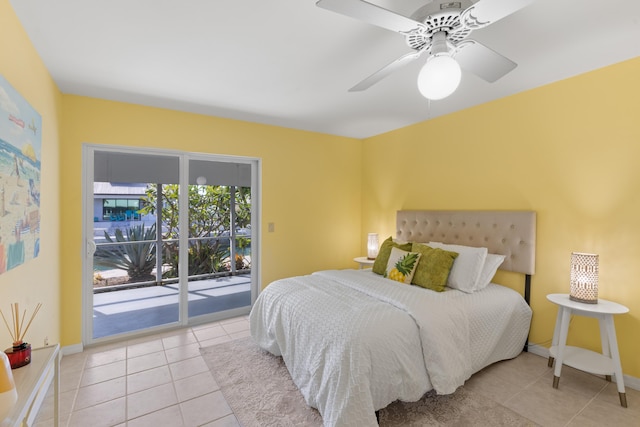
{"x": 220, "y": 224}
{"x": 170, "y": 238}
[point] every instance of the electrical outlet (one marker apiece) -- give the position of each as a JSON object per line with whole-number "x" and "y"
{"x": 46, "y": 341}
{"x": 271, "y": 227}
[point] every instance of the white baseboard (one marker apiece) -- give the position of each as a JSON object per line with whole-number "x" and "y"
{"x": 538, "y": 350}
{"x": 71, "y": 349}
{"x": 629, "y": 381}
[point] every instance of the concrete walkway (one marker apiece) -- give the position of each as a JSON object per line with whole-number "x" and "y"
{"x": 136, "y": 309}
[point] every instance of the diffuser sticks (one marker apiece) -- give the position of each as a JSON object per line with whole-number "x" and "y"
{"x": 17, "y": 332}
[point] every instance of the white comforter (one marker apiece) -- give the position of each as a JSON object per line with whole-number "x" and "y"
{"x": 354, "y": 341}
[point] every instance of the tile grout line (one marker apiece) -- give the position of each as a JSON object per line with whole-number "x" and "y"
{"x": 76, "y": 392}
{"x": 173, "y": 384}
{"x": 532, "y": 382}
{"x": 581, "y": 410}
{"x": 227, "y": 334}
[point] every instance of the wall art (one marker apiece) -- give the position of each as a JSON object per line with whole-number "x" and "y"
{"x": 20, "y": 157}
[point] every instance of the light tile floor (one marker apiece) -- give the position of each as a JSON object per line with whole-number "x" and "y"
{"x": 161, "y": 380}
{"x": 158, "y": 380}
{"x": 525, "y": 385}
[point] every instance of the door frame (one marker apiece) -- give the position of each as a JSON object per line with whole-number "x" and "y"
{"x": 88, "y": 246}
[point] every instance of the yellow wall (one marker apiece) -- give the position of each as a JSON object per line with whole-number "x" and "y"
{"x": 568, "y": 151}
{"x": 37, "y": 280}
{"x": 310, "y": 185}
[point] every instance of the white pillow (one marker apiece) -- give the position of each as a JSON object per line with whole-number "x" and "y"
{"x": 467, "y": 267}
{"x": 407, "y": 261}
{"x": 491, "y": 265}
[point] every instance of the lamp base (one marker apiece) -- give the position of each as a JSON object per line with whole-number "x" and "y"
{"x": 584, "y": 301}
{"x": 19, "y": 356}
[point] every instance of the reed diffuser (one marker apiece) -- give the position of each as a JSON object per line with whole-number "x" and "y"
{"x": 20, "y": 353}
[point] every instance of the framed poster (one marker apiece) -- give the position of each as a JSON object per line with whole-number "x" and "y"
{"x": 20, "y": 156}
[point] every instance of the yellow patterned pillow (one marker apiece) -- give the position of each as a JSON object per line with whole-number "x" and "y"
{"x": 402, "y": 265}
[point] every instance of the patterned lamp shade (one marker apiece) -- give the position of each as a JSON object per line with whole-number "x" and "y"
{"x": 8, "y": 395}
{"x": 584, "y": 278}
{"x": 372, "y": 245}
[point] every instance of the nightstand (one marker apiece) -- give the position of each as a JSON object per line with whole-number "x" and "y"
{"x": 364, "y": 261}
{"x": 605, "y": 363}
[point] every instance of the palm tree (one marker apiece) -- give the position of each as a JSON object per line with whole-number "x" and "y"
{"x": 138, "y": 259}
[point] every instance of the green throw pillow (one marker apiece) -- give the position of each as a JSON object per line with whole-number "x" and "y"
{"x": 433, "y": 268}
{"x": 380, "y": 264}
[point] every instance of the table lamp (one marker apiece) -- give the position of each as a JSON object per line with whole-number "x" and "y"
{"x": 372, "y": 245}
{"x": 584, "y": 278}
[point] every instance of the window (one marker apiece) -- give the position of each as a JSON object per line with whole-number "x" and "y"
{"x": 113, "y": 209}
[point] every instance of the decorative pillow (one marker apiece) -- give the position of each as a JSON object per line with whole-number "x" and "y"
{"x": 380, "y": 264}
{"x": 433, "y": 268}
{"x": 466, "y": 268}
{"x": 402, "y": 265}
{"x": 491, "y": 265}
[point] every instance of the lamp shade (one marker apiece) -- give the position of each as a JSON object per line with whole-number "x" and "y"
{"x": 584, "y": 278}
{"x": 8, "y": 394}
{"x": 372, "y": 245}
{"x": 439, "y": 77}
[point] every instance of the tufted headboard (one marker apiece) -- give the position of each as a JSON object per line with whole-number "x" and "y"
{"x": 509, "y": 233}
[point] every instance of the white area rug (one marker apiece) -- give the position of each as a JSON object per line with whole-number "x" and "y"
{"x": 259, "y": 389}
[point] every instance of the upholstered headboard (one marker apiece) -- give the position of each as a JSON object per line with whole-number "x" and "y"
{"x": 509, "y": 233}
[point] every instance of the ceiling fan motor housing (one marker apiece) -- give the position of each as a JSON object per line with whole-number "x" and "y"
{"x": 438, "y": 17}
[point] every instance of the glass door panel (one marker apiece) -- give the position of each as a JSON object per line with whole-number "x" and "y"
{"x": 133, "y": 287}
{"x": 219, "y": 249}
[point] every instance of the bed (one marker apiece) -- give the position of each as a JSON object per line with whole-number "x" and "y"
{"x": 355, "y": 341}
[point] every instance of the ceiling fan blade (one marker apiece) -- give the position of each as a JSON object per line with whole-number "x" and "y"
{"x": 487, "y": 12}
{"x": 385, "y": 71}
{"x": 482, "y": 61}
{"x": 372, "y": 14}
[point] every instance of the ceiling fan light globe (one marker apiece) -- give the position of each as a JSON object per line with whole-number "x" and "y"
{"x": 439, "y": 77}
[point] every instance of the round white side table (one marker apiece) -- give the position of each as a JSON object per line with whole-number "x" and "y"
{"x": 605, "y": 363}
{"x": 364, "y": 262}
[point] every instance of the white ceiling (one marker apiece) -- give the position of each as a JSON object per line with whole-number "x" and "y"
{"x": 289, "y": 63}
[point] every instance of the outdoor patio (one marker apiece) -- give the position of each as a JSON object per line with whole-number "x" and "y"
{"x": 129, "y": 310}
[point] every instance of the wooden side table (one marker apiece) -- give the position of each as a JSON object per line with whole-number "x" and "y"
{"x": 364, "y": 261}
{"x": 605, "y": 363}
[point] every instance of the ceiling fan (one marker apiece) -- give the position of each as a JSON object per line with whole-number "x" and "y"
{"x": 440, "y": 29}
